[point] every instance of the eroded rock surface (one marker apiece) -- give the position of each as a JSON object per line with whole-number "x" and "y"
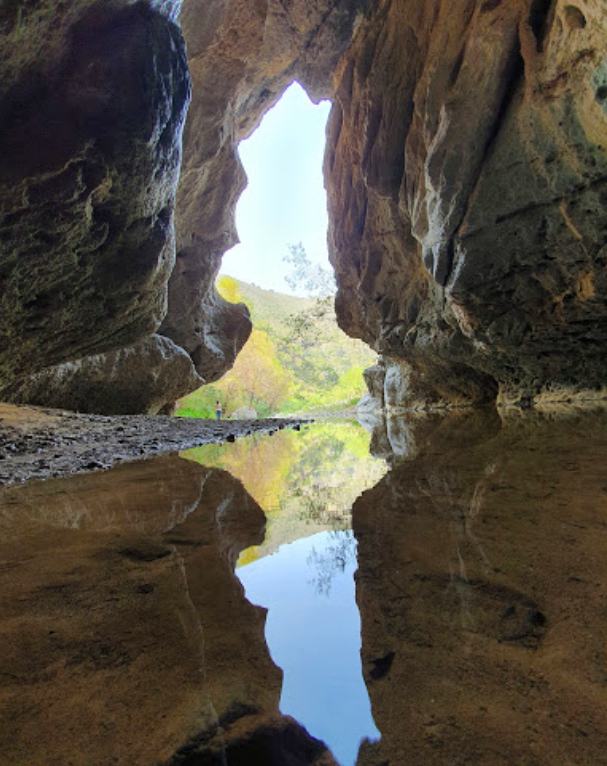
{"x": 142, "y": 378}
{"x": 480, "y": 585}
{"x": 467, "y": 177}
{"x": 135, "y": 617}
{"x": 466, "y": 168}
{"x": 93, "y": 100}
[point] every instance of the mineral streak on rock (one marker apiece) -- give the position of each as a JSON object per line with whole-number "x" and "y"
{"x": 467, "y": 176}
{"x": 93, "y": 100}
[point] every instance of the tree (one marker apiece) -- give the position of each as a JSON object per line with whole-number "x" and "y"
{"x": 317, "y": 281}
{"x": 257, "y": 376}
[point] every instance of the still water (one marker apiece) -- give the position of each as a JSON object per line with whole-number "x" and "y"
{"x": 432, "y": 593}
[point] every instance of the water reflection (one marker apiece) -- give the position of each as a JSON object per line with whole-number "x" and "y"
{"x": 125, "y": 637}
{"x": 482, "y": 583}
{"x": 313, "y": 632}
{"x": 478, "y": 605}
{"x": 305, "y": 577}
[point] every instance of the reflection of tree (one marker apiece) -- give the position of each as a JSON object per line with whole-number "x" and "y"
{"x": 317, "y": 486}
{"x": 332, "y": 560}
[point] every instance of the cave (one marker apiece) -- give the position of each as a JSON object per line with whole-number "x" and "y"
{"x": 466, "y": 177}
{"x": 465, "y": 168}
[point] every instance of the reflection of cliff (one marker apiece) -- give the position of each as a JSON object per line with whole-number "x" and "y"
{"x": 305, "y": 482}
{"x": 482, "y": 564}
{"x": 126, "y": 637}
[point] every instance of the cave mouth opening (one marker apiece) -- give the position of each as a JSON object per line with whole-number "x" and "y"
{"x": 296, "y": 359}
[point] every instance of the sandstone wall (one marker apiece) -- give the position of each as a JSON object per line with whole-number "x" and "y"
{"x": 466, "y": 169}
{"x": 242, "y": 56}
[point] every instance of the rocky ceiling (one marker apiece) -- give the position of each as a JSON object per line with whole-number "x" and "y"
{"x": 466, "y": 168}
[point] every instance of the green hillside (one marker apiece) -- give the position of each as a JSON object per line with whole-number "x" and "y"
{"x": 296, "y": 360}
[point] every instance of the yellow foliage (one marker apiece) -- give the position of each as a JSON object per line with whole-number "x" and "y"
{"x": 227, "y": 287}
{"x": 256, "y": 375}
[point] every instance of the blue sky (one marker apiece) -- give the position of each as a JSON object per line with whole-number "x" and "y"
{"x": 285, "y": 200}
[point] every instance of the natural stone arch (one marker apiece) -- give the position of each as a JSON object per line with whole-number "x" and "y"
{"x": 242, "y": 55}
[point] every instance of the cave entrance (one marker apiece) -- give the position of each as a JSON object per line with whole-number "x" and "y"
{"x": 297, "y": 360}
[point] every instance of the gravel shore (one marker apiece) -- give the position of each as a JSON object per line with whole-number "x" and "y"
{"x": 38, "y": 443}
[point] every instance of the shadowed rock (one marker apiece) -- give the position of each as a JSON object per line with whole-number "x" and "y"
{"x": 466, "y": 169}
{"x": 90, "y": 136}
{"x": 142, "y": 378}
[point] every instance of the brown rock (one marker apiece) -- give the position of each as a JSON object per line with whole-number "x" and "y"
{"x": 479, "y": 559}
{"x": 466, "y": 162}
{"x": 242, "y": 56}
{"x": 121, "y": 607}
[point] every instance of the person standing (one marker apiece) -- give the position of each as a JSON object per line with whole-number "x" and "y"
{"x": 218, "y": 410}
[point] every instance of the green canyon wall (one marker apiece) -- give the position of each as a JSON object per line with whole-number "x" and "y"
{"x": 466, "y": 169}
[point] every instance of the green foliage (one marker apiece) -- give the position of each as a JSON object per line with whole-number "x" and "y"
{"x": 296, "y": 360}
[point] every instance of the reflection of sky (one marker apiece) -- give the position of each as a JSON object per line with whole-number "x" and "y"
{"x": 285, "y": 200}
{"x": 313, "y": 633}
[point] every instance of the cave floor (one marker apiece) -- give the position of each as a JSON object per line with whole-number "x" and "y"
{"x": 38, "y": 443}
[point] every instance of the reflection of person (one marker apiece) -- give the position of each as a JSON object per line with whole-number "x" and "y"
{"x": 218, "y": 409}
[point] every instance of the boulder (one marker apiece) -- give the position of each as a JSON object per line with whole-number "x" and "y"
{"x": 142, "y": 378}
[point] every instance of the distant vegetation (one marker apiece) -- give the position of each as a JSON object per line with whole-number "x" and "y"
{"x": 296, "y": 360}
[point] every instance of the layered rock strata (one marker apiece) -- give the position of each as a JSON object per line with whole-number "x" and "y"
{"x": 467, "y": 176}
{"x": 466, "y": 167}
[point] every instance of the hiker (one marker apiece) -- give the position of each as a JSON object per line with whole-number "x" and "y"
{"x": 218, "y": 410}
